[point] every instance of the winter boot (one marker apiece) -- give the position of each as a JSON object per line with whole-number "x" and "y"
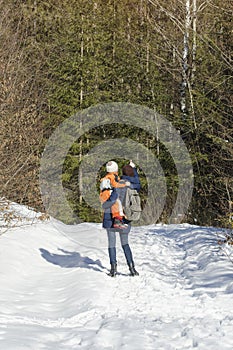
{"x": 113, "y": 270}
{"x": 132, "y": 270}
{"x": 119, "y": 224}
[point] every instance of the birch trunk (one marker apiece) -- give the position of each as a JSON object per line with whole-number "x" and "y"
{"x": 194, "y": 52}
{"x": 184, "y": 84}
{"x": 194, "y": 46}
{"x": 81, "y": 102}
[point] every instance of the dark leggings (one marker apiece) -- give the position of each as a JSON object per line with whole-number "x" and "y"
{"x": 124, "y": 237}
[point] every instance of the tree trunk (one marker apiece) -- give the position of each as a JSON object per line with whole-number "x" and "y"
{"x": 184, "y": 84}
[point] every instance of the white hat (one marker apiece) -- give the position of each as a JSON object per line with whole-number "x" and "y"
{"x": 111, "y": 167}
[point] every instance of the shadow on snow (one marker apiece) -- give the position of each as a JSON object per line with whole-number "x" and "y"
{"x": 71, "y": 259}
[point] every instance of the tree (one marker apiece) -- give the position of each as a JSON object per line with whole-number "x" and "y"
{"x": 58, "y": 58}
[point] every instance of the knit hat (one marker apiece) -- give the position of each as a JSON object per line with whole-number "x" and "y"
{"x": 111, "y": 167}
{"x": 128, "y": 170}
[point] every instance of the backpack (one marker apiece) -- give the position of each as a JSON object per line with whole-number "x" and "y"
{"x": 132, "y": 205}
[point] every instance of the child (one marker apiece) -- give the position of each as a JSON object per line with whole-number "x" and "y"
{"x": 111, "y": 180}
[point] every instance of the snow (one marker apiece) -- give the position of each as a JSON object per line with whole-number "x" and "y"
{"x": 55, "y": 292}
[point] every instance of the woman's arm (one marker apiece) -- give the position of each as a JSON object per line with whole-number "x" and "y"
{"x": 135, "y": 184}
{"x": 134, "y": 180}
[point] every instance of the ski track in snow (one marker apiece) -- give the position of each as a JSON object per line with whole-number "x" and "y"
{"x": 55, "y": 293}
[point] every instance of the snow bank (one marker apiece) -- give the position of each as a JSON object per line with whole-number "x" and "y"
{"x": 16, "y": 215}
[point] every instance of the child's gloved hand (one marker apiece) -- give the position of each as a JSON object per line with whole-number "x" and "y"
{"x": 131, "y": 163}
{"x": 127, "y": 183}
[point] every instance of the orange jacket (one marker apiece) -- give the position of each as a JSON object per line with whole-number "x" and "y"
{"x": 104, "y": 195}
{"x": 112, "y": 178}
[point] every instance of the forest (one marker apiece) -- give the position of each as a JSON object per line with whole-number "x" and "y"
{"x": 58, "y": 58}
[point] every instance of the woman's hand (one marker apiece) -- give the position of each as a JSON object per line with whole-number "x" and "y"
{"x": 131, "y": 163}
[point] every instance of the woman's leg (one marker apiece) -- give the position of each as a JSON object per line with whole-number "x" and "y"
{"x": 126, "y": 248}
{"x": 112, "y": 246}
{"x": 128, "y": 253}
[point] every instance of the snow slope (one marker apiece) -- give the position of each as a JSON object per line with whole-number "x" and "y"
{"x": 55, "y": 293}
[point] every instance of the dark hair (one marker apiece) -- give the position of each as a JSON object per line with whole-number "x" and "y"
{"x": 128, "y": 170}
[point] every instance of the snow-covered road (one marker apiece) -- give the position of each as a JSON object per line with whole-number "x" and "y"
{"x": 55, "y": 293}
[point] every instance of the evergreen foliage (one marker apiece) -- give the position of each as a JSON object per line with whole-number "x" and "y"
{"x": 75, "y": 54}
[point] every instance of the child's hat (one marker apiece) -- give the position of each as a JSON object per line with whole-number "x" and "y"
{"x": 111, "y": 167}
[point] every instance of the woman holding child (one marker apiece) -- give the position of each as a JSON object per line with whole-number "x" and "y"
{"x": 112, "y": 193}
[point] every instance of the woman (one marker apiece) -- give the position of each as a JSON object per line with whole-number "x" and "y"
{"x": 129, "y": 174}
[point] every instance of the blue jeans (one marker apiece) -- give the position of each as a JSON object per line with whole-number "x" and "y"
{"x": 124, "y": 237}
